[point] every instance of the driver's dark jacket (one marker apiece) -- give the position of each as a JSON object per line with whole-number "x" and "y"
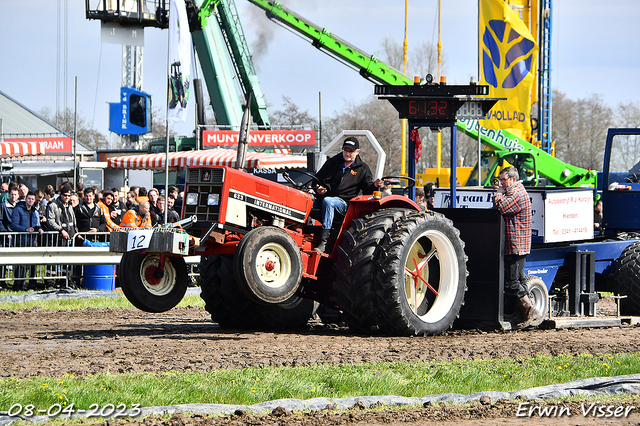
{"x": 356, "y": 178}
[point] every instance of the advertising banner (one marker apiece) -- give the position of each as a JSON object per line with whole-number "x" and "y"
{"x": 569, "y": 216}
{"x": 266, "y": 139}
{"x": 508, "y": 56}
{"x": 52, "y": 146}
{"x": 482, "y": 199}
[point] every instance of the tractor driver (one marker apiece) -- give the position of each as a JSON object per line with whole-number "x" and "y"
{"x": 343, "y": 176}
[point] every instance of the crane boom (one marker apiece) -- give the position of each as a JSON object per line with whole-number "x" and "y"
{"x": 370, "y": 67}
{"x": 226, "y": 15}
{"x": 210, "y": 48}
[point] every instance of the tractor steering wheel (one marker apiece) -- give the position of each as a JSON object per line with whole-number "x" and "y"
{"x": 632, "y": 178}
{"x": 299, "y": 186}
{"x": 411, "y": 182}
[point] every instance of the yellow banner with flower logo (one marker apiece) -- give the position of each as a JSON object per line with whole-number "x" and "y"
{"x": 508, "y": 61}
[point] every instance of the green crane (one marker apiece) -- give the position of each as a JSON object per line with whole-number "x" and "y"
{"x": 369, "y": 66}
{"x": 221, "y": 16}
{"x": 504, "y": 144}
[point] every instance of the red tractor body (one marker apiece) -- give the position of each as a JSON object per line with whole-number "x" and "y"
{"x": 235, "y": 202}
{"x": 392, "y": 268}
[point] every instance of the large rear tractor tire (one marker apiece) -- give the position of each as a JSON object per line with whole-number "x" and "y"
{"x": 626, "y": 280}
{"x": 232, "y": 309}
{"x": 401, "y": 272}
{"x": 143, "y": 286}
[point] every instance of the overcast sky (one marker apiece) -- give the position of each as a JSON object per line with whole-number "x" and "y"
{"x": 594, "y": 50}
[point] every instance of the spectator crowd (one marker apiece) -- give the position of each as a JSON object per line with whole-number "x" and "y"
{"x": 69, "y": 218}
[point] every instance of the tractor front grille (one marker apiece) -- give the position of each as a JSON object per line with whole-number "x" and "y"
{"x": 205, "y": 175}
{"x": 203, "y": 194}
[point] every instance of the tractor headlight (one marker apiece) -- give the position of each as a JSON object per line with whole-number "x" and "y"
{"x": 213, "y": 199}
{"x": 192, "y": 199}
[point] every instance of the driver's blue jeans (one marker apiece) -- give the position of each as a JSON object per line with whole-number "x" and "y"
{"x": 330, "y": 205}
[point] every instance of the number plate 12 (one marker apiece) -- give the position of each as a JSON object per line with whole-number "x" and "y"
{"x": 139, "y": 239}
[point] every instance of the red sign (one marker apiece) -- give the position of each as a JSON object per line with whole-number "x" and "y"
{"x": 267, "y": 139}
{"x": 52, "y": 146}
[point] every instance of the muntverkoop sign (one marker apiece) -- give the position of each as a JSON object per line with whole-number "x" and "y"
{"x": 267, "y": 139}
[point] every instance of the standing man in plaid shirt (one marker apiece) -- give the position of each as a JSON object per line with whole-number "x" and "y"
{"x": 513, "y": 202}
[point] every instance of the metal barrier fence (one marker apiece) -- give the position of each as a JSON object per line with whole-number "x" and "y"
{"x": 34, "y": 260}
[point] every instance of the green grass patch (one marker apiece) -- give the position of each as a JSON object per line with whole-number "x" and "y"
{"x": 84, "y": 303}
{"x": 254, "y": 385}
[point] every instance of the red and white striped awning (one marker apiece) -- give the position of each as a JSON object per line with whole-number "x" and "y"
{"x": 255, "y": 160}
{"x": 146, "y": 161}
{"x": 207, "y": 157}
{"x": 20, "y": 149}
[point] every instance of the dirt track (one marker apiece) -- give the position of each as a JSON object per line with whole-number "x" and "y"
{"x": 127, "y": 340}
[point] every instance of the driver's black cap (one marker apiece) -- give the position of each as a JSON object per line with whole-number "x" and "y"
{"x": 351, "y": 143}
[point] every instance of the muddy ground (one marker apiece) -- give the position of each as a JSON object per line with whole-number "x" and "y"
{"x": 38, "y": 342}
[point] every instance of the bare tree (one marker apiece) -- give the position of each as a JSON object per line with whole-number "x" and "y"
{"x": 596, "y": 118}
{"x": 159, "y": 120}
{"x": 392, "y": 53}
{"x": 580, "y": 129}
{"x": 564, "y": 131}
{"x": 374, "y": 115}
{"x": 64, "y": 120}
{"x": 422, "y": 59}
{"x": 625, "y": 151}
{"x": 628, "y": 114}
{"x": 159, "y": 128}
{"x": 292, "y": 115}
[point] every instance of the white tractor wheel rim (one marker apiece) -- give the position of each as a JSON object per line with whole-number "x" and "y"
{"x": 442, "y": 252}
{"x": 273, "y": 265}
{"x": 165, "y": 284}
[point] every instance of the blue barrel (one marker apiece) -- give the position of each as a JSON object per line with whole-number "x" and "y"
{"x": 99, "y": 277}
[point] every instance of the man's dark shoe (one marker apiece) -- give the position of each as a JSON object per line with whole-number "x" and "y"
{"x": 322, "y": 247}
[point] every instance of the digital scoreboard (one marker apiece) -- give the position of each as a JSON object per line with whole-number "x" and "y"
{"x": 438, "y": 103}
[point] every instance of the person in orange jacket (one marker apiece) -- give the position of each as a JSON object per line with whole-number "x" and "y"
{"x": 110, "y": 214}
{"x": 137, "y": 217}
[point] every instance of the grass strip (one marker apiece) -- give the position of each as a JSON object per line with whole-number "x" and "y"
{"x": 253, "y": 385}
{"x": 72, "y": 303}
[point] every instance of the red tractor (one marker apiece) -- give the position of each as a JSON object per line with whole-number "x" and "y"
{"x": 393, "y": 269}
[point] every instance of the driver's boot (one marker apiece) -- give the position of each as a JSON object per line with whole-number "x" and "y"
{"x": 531, "y": 316}
{"x": 322, "y": 247}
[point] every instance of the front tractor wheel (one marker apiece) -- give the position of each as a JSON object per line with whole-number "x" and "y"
{"x": 232, "y": 309}
{"x": 149, "y": 289}
{"x": 268, "y": 265}
{"x": 418, "y": 267}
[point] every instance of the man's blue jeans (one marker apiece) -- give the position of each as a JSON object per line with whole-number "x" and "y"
{"x": 330, "y": 205}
